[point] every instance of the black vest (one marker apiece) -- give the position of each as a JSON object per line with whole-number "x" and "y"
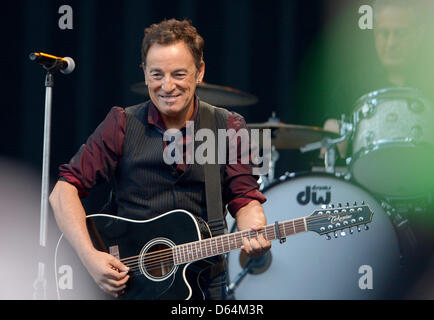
{"x": 145, "y": 186}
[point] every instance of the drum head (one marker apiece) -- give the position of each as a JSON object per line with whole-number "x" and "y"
{"x": 364, "y": 265}
{"x": 395, "y": 169}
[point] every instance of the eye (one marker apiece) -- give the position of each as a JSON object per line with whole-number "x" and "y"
{"x": 179, "y": 75}
{"x": 157, "y": 76}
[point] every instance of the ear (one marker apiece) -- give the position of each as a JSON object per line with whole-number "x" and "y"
{"x": 200, "y": 73}
{"x": 144, "y": 73}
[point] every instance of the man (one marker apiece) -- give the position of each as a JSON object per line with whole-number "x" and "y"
{"x": 403, "y": 52}
{"x": 172, "y": 61}
{"x": 399, "y": 34}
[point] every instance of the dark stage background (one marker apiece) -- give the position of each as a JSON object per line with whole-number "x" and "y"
{"x": 270, "y": 49}
{"x": 285, "y": 52}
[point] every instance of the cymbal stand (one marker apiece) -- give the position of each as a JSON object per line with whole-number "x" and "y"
{"x": 330, "y": 145}
{"x": 266, "y": 180}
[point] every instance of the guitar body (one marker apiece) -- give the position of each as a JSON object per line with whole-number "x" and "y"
{"x": 126, "y": 238}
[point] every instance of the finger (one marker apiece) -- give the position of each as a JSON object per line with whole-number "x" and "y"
{"x": 115, "y": 274}
{"x": 109, "y": 290}
{"x": 119, "y": 265}
{"x": 255, "y": 245}
{"x": 263, "y": 242}
{"x": 246, "y": 246}
{"x": 112, "y": 288}
{"x": 117, "y": 289}
{"x": 118, "y": 284}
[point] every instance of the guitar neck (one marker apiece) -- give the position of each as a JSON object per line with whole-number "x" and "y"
{"x": 202, "y": 249}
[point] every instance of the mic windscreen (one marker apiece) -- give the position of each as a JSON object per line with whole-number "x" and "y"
{"x": 70, "y": 66}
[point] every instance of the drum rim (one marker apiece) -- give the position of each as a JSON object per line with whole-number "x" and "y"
{"x": 389, "y": 143}
{"x": 301, "y": 174}
{"x": 385, "y": 92}
{"x": 390, "y": 92}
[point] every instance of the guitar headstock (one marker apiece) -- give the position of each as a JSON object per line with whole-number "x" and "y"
{"x": 330, "y": 219}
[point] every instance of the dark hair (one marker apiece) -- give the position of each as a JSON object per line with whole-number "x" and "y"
{"x": 172, "y": 31}
{"x": 414, "y": 5}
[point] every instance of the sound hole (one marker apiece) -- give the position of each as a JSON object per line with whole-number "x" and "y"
{"x": 158, "y": 261}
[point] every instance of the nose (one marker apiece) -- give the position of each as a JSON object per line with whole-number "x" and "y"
{"x": 391, "y": 39}
{"x": 168, "y": 84}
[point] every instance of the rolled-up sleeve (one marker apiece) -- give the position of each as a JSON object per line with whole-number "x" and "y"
{"x": 240, "y": 185}
{"x": 97, "y": 159}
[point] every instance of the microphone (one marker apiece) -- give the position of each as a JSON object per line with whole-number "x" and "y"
{"x": 52, "y": 63}
{"x": 253, "y": 266}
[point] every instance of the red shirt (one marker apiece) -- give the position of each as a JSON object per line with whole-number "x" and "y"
{"x": 97, "y": 159}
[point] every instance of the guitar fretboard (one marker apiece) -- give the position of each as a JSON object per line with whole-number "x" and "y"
{"x": 206, "y": 248}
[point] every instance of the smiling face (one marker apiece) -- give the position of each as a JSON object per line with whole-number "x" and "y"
{"x": 171, "y": 76}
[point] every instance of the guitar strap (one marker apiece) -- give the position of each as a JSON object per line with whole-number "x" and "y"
{"x": 214, "y": 203}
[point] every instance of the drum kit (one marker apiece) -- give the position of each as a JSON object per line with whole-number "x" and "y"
{"x": 389, "y": 165}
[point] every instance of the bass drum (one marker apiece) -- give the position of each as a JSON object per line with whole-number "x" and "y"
{"x": 362, "y": 265}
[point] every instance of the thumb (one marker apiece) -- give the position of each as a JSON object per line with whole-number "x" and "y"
{"x": 119, "y": 265}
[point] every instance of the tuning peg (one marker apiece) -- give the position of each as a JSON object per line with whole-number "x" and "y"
{"x": 363, "y": 202}
{"x": 366, "y": 227}
{"x": 358, "y": 229}
{"x": 351, "y": 230}
{"x": 339, "y": 205}
{"x": 343, "y": 234}
{"x": 355, "y": 203}
{"x": 335, "y": 234}
{"x": 348, "y": 204}
{"x": 328, "y": 236}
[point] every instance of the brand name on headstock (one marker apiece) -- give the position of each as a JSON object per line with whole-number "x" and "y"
{"x": 339, "y": 218}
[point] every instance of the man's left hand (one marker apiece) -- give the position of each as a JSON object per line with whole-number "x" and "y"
{"x": 252, "y": 217}
{"x": 257, "y": 246}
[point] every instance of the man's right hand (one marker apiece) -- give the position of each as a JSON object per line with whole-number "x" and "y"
{"x": 109, "y": 273}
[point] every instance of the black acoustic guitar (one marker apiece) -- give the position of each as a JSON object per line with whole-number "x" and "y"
{"x": 161, "y": 251}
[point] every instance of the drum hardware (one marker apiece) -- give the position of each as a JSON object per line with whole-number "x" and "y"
{"x": 330, "y": 145}
{"x": 292, "y": 136}
{"x": 288, "y": 136}
{"x": 255, "y": 265}
{"x": 266, "y": 180}
{"x": 404, "y": 231}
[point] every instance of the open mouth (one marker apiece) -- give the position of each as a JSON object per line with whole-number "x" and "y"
{"x": 170, "y": 98}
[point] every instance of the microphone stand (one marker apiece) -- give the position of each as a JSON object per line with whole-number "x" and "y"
{"x": 40, "y": 284}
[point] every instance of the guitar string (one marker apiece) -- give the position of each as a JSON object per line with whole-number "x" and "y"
{"x": 208, "y": 243}
{"x": 189, "y": 254}
{"x": 298, "y": 223}
{"x": 168, "y": 263}
{"x": 150, "y": 262}
{"x": 208, "y": 247}
{"x": 157, "y": 255}
{"x": 156, "y": 265}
